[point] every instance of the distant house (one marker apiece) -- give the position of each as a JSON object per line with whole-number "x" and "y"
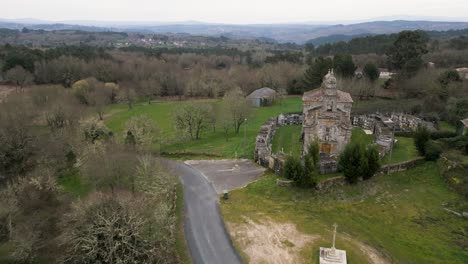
{"x": 463, "y": 72}
{"x": 262, "y": 97}
{"x": 385, "y": 73}
{"x": 358, "y": 73}
{"x": 463, "y": 127}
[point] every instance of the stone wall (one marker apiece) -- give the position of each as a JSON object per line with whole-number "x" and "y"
{"x": 402, "y": 166}
{"x": 383, "y": 125}
{"x": 263, "y": 154}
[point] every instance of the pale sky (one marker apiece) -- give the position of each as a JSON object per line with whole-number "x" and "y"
{"x": 231, "y": 11}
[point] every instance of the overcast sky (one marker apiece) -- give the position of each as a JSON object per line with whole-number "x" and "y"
{"x": 231, "y": 11}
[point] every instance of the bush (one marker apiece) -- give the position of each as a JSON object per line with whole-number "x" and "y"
{"x": 432, "y": 150}
{"x": 442, "y": 134}
{"x": 353, "y": 162}
{"x": 308, "y": 178}
{"x": 459, "y": 142}
{"x": 421, "y": 136}
{"x": 293, "y": 169}
{"x": 373, "y": 162}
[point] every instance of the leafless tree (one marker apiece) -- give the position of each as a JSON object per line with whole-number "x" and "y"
{"x": 237, "y": 108}
{"x": 193, "y": 119}
{"x": 19, "y": 76}
{"x": 141, "y": 131}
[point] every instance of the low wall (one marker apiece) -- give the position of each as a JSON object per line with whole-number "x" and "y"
{"x": 328, "y": 183}
{"x": 263, "y": 154}
{"x": 402, "y": 166}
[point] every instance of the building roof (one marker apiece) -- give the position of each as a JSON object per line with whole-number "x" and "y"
{"x": 317, "y": 96}
{"x": 264, "y": 92}
{"x": 464, "y": 122}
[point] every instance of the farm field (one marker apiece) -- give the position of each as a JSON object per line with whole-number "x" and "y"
{"x": 399, "y": 218}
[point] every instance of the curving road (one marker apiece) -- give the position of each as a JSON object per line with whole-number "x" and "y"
{"x": 206, "y": 235}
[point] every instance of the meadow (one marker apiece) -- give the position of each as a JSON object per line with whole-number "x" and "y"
{"x": 212, "y": 143}
{"x": 401, "y": 215}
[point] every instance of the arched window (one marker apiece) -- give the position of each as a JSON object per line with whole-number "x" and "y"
{"x": 330, "y": 106}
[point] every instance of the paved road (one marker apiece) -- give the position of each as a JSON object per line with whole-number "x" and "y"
{"x": 207, "y": 237}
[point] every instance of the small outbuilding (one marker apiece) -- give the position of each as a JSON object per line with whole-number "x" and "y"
{"x": 262, "y": 97}
{"x": 463, "y": 127}
{"x": 463, "y": 72}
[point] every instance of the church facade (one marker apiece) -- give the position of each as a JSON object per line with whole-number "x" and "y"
{"x": 327, "y": 119}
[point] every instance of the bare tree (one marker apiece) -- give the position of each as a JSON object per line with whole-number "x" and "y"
{"x": 237, "y": 108}
{"x": 143, "y": 132}
{"x": 19, "y": 76}
{"x": 193, "y": 119}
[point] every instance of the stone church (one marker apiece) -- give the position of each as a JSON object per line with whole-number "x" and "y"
{"x": 327, "y": 112}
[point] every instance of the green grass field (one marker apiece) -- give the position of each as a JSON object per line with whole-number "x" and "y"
{"x": 403, "y": 150}
{"x": 210, "y": 142}
{"x": 401, "y": 215}
{"x": 213, "y": 144}
{"x": 445, "y": 126}
{"x": 288, "y": 140}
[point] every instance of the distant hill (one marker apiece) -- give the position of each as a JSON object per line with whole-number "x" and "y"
{"x": 334, "y": 39}
{"x": 297, "y": 33}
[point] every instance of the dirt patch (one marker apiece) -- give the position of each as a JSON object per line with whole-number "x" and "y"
{"x": 280, "y": 243}
{"x": 374, "y": 255}
{"x": 5, "y": 91}
{"x": 270, "y": 242}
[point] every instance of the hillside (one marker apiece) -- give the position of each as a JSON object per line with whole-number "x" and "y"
{"x": 297, "y": 33}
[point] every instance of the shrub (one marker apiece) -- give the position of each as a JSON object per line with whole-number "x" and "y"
{"x": 293, "y": 169}
{"x": 308, "y": 178}
{"x": 443, "y": 134}
{"x": 94, "y": 129}
{"x": 421, "y": 136}
{"x": 353, "y": 162}
{"x": 432, "y": 150}
{"x": 373, "y": 162}
{"x": 459, "y": 142}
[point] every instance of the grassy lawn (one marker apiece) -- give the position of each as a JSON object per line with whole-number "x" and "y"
{"x": 358, "y": 135}
{"x": 211, "y": 142}
{"x": 401, "y": 215}
{"x": 445, "y": 126}
{"x": 288, "y": 139}
{"x": 403, "y": 150}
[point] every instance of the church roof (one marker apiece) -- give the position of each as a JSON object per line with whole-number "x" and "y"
{"x": 317, "y": 96}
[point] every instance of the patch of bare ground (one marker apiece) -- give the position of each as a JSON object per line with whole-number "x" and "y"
{"x": 270, "y": 242}
{"x": 374, "y": 255}
{"x": 5, "y": 90}
{"x": 281, "y": 243}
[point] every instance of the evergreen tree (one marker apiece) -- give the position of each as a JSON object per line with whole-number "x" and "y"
{"x": 309, "y": 177}
{"x": 373, "y": 162}
{"x": 371, "y": 72}
{"x": 314, "y": 74}
{"x": 293, "y": 169}
{"x": 314, "y": 151}
{"x": 353, "y": 162}
{"x": 421, "y": 137}
{"x": 344, "y": 65}
{"x": 406, "y": 52}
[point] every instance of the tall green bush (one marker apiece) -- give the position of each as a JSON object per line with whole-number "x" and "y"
{"x": 373, "y": 162}
{"x": 421, "y": 136}
{"x": 353, "y": 162}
